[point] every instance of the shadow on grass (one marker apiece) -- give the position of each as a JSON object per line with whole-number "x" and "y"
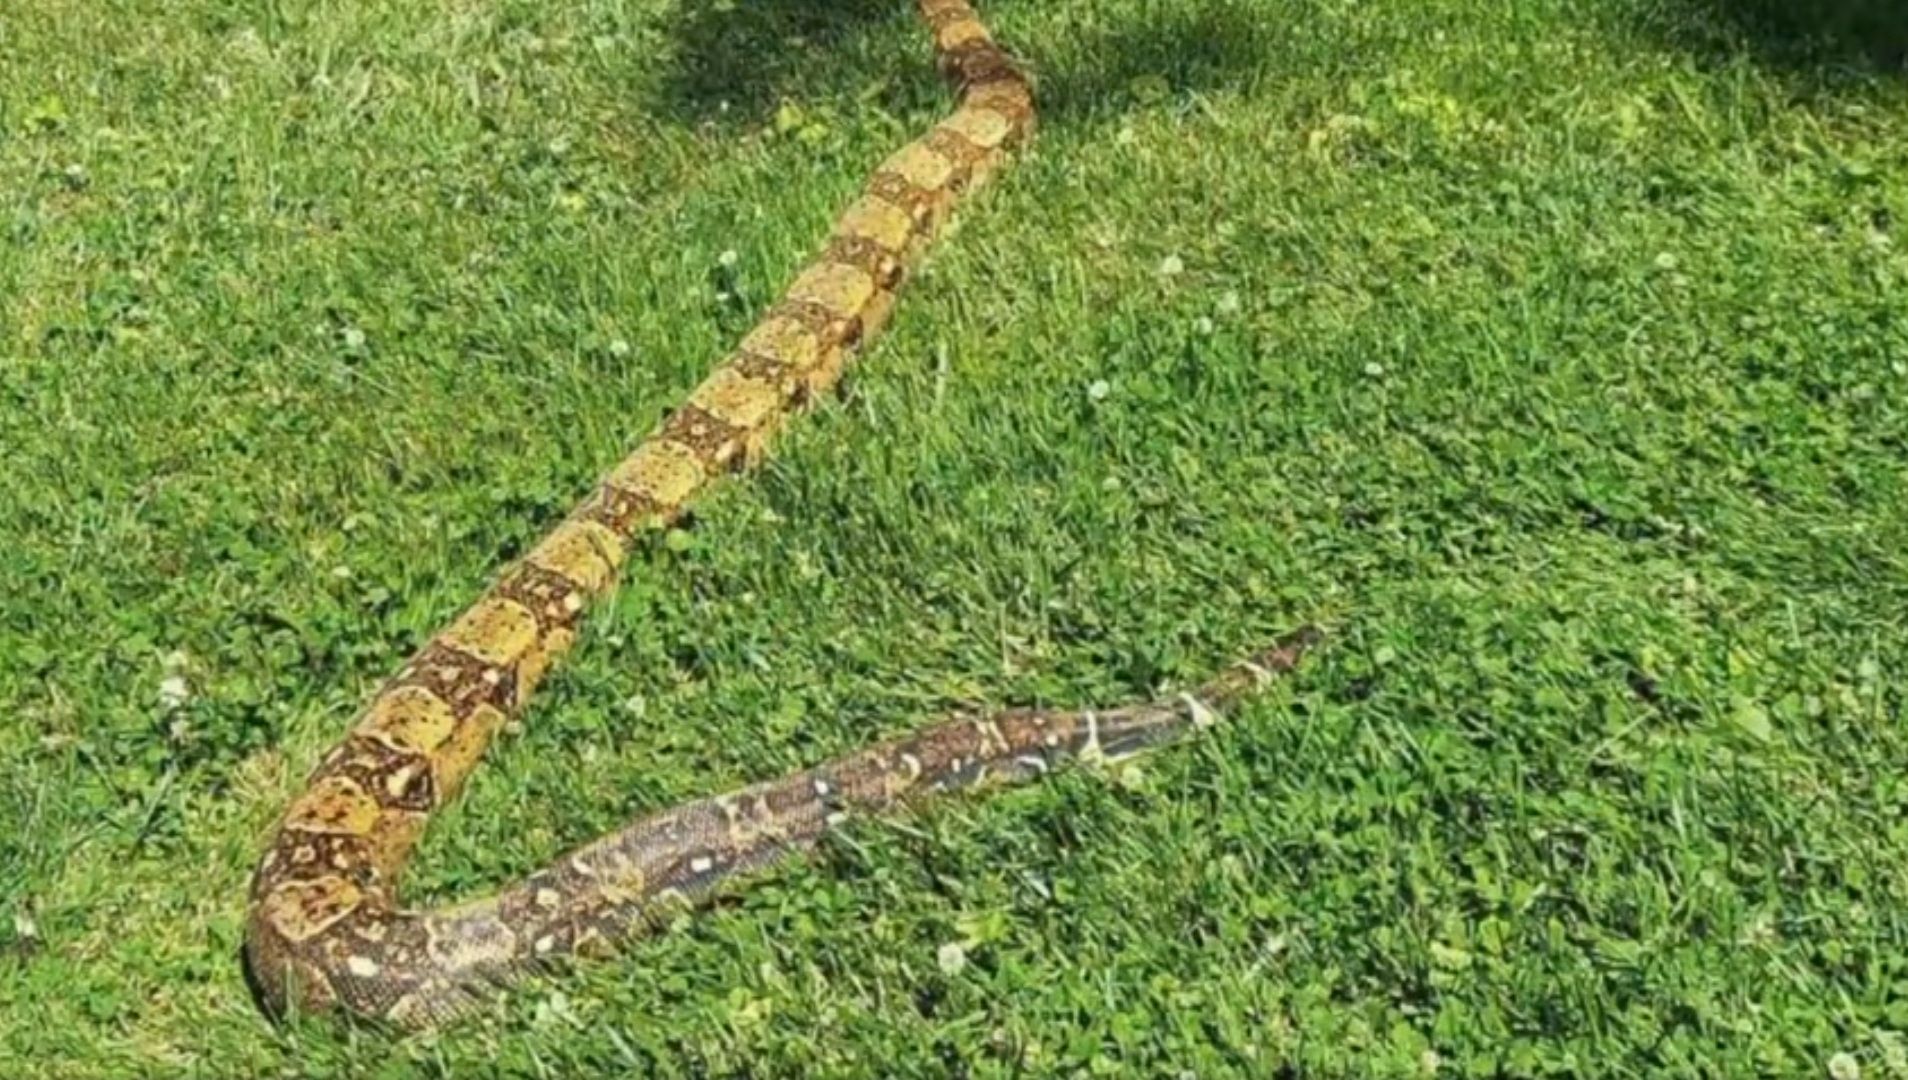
{"x": 736, "y": 62}
{"x": 1102, "y": 70}
{"x": 1824, "y": 40}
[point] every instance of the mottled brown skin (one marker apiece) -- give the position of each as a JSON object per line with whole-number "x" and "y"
{"x": 324, "y": 930}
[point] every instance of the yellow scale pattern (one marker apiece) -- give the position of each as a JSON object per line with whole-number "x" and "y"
{"x": 323, "y": 929}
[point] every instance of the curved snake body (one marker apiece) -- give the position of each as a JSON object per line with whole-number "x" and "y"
{"x": 324, "y": 930}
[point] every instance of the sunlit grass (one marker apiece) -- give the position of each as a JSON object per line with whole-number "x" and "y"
{"x": 1553, "y": 359}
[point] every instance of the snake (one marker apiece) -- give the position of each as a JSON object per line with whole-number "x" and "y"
{"x": 325, "y": 931}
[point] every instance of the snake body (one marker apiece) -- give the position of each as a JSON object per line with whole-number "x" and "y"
{"x": 324, "y": 929}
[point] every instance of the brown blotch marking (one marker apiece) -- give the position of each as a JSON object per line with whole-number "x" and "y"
{"x": 360, "y": 755}
{"x": 770, "y": 370}
{"x": 623, "y": 512}
{"x": 920, "y": 205}
{"x": 301, "y": 910}
{"x": 975, "y": 64}
{"x": 956, "y": 147}
{"x": 715, "y": 441}
{"x": 409, "y": 786}
{"x": 397, "y": 779}
{"x": 991, "y": 741}
{"x": 363, "y": 858}
{"x": 836, "y": 334}
{"x": 413, "y": 721}
{"x": 1009, "y": 96}
{"x": 465, "y": 681}
{"x": 1023, "y": 730}
{"x": 798, "y": 793}
{"x": 882, "y": 266}
{"x": 555, "y": 600}
{"x": 829, "y": 329}
{"x": 350, "y": 855}
{"x": 749, "y": 817}
{"x": 862, "y": 779}
{"x": 488, "y": 661}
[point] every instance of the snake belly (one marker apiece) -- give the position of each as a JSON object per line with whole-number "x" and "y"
{"x": 324, "y": 930}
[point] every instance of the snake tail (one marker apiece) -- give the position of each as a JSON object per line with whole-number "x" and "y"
{"x": 324, "y": 928}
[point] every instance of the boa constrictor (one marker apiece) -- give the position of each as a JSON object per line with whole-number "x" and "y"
{"x": 324, "y": 930}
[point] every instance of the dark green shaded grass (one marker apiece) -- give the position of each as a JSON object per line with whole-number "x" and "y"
{"x": 1552, "y": 359}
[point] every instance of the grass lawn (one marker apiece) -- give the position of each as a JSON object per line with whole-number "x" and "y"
{"x": 1553, "y": 355}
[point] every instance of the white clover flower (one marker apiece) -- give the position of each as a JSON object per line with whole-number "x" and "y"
{"x": 952, "y": 958}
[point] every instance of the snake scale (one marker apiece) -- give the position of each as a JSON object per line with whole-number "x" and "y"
{"x": 324, "y": 930}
